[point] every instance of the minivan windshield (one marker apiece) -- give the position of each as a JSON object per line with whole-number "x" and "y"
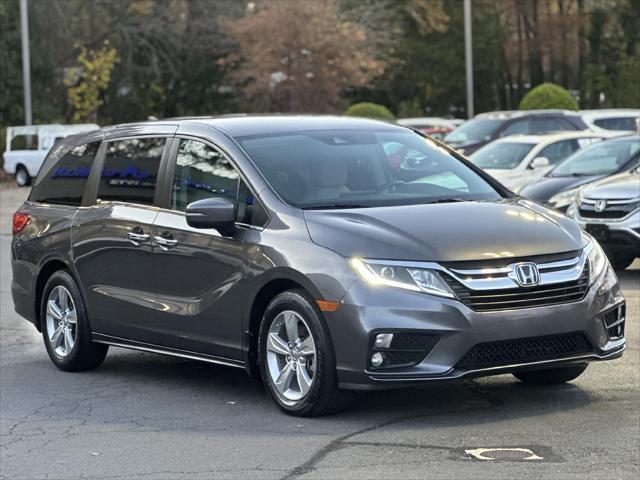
{"x": 501, "y": 155}
{"x": 362, "y": 168}
{"x": 475, "y": 130}
{"x": 600, "y": 159}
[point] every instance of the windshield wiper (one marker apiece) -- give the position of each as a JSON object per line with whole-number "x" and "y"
{"x": 447, "y": 200}
{"x": 335, "y": 206}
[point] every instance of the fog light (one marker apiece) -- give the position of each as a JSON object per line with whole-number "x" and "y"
{"x": 383, "y": 340}
{"x": 377, "y": 359}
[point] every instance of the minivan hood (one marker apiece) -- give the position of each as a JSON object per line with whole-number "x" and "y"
{"x": 445, "y": 232}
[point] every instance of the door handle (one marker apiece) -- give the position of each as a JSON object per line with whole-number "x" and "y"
{"x": 138, "y": 237}
{"x": 165, "y": 242}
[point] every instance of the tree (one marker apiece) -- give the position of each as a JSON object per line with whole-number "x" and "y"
{"x": 298, "y": 57}
{"x": 548, "y": 95}
{"x": 87, "y": 82}
{"x": 369, "y": 110}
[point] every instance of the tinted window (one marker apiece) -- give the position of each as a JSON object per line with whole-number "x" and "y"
{"x": 475, "y": 130}
{"x": 65, "y": 182}
{"x": 517, "y": 127}
{"x": 556, "y": 152}
{"x": 503, "y": 155}
{"x": 202, "y": 172}
{"x": 599, "y": 159}
{"x": 551, "y": 124}
{"x": 341, "y": 168}
{"x": 130, "y": 170}
{"x": 623, "y": 123}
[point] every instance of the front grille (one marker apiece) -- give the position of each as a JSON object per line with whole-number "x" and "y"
{"x": 612, "y": 211}
{"x": 521, "y": 297}
{"x": 614, "y": 322}
{"x": 492, "y": 354}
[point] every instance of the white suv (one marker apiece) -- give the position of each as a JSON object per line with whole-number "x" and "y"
{"x": 517, "y": 161}
{"x": 620, "y": 119}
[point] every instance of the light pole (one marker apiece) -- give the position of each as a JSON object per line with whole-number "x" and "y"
{"x": 468, "y": 56}
{"x": 26, "y": 62}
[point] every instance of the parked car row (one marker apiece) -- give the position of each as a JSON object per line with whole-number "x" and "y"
{"x": 583, "y": 164}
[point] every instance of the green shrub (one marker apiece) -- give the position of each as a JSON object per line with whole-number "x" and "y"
{"x": 548, "y": 95}
{"x": 370, "y": 110}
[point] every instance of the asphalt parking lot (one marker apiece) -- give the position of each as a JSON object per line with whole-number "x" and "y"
{"x": 147, "y": 416}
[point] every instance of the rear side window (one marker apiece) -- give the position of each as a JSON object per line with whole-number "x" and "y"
{"x": 551, "y": 124}
{"x": 517, "y": 127}
{"x": 130, "y": 170}
{"x": 556, "y": 152}
{"x": 623, "y": 123}
{"x": 65, "y": 183}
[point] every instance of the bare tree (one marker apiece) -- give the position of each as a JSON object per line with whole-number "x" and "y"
{"x": 298, "y": 56}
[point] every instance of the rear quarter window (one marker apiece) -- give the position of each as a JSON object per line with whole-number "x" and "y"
{"x": 65, "y": 182}
{"x": 623, "y": 123}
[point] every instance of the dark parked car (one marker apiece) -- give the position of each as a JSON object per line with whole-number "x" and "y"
{"x": 559, "y": 187}
{"x": 321, "y": 254}
{"x": 486, "y": 127}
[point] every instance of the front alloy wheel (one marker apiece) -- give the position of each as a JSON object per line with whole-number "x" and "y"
{"x": 296, "y": 357}
{"x": 291, "y": 355}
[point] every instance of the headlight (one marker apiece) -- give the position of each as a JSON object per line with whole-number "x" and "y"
{"x": 597, "y": 261}
{"x": 609, "y": 281}
{"x": 572, "y": 211}
{"x": 563, "y": 199}
{"x": 408, "y": 278}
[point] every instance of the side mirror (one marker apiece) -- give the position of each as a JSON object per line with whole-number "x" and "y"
{"x": 215, "y": 213}
{"x": 540, "y": 162}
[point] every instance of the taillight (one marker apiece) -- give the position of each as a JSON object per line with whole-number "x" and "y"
{"x": 20, "y": 221}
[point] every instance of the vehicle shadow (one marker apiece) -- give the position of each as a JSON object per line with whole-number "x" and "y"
{"x": 460, "y": 402}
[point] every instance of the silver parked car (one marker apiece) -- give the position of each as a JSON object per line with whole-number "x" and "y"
{"x": 609, "y": 210}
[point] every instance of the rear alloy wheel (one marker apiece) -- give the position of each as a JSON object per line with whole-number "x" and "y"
{"x": 23, "y": 178}
{"x": 551, "y": 376}
{"x": 61, "y": 321}
{"x": 296, "y": 358}
{"x": 65, "y": 326}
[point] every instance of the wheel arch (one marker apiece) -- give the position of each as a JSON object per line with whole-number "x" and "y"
{"x": 48, "y": 268}
{"x": 280, "y": 280}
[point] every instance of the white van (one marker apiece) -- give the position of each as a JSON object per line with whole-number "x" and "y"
{"x": 27, "y": 146}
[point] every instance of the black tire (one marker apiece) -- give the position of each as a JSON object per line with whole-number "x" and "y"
{"x": 85, "y": 354}
{"x": 23, "y": 179}
{"x": 621, "y": 262}
{"x": 324, "y": 397}
{"x": 551, "y": 376}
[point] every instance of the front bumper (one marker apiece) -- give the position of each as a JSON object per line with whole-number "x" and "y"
{"x": 368, "y": 310}
{"x": 620, "y": 235}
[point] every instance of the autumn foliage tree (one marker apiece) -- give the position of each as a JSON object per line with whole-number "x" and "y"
{"x": 87, "y": 82}
{"x": 298, "y": 56}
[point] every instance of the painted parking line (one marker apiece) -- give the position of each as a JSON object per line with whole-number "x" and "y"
{"x": 503, "y": 453}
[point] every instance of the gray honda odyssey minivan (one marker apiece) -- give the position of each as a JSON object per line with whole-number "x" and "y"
{"x": 321, "y": 254}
